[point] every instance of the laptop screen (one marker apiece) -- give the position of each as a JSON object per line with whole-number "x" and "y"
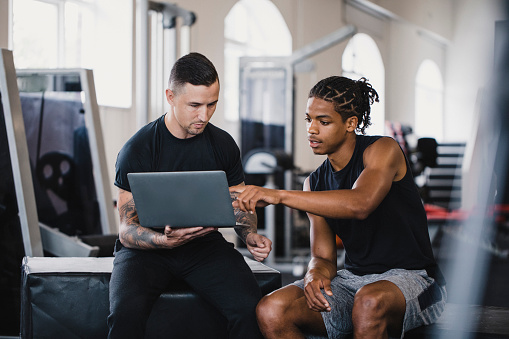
{"x": 182, "y": 199}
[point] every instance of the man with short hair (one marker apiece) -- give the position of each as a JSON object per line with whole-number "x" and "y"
{"x": 364, "y": 193}
{"x": 147, "y": 260}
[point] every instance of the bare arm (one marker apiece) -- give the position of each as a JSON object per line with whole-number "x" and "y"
{"x": 384, "y": 163}
{"x": 133, "y": 235}
{"x": 323, "y": 265}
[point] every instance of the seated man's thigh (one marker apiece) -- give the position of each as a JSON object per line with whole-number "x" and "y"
{"x": 220, "y": 274}
{"x": 137, "y": 280}
{"x": 425, "y": 298}
{"x": 338, "y": 321}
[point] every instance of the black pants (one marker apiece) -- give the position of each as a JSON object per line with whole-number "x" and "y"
{"x": 211, "y": 266}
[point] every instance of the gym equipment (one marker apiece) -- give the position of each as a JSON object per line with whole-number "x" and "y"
{"x": 269, "y": 163}
{"x": 18, "y": 151}
{"x": 66, "y": 150}
{"x": 68, "y": 298}
{"x": 11, "y": 239}
{"x": 37, "y": 237}
{"x": 156, "y": 35}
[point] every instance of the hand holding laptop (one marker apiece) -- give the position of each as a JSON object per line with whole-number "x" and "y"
{"x": 180, "y": 236}
{"x": 182, "y": 200}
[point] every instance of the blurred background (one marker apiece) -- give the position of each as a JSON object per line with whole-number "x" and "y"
{"x": 438, "y": 65}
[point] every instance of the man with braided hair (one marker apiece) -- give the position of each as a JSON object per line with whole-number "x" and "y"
{"x": 364, "y": 193}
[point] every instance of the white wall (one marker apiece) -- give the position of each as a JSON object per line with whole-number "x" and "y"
{"x": 469, "y": 63}
{"x": 409, "y": 47}
{"x": 310, "y": 24}
{"x": 430, "y": 15}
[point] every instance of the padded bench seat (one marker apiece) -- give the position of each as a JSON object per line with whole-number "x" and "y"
{"x": 68, "y": 298}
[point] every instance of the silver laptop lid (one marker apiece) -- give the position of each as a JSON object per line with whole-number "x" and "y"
{"x": 182, "y": 199}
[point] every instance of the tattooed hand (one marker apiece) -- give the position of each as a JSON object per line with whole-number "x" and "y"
{"x": 259, "y": 246}
{"x": 133, "y": 235}
{"x": 247, "y": 222}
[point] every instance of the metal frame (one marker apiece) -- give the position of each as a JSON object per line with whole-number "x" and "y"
{"x": 288, "y": 64}
{"x": 247, "y": 65}
{"x": 170, "y": 14}
{"x": 38, "y": 237}
{"x": 150, "y": 92}
{"x": 18, "y": 149}
{"x": 62, "y": 245}
{"x": 96, "y": 140}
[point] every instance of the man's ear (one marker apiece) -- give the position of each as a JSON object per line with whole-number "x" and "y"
{"x": 170, "y": 96}
{"x": 351, "y": 123}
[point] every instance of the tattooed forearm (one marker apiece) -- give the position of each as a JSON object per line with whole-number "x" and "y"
{"x": 128, "y": 214}
{"x": 247, "y": 219}
{"x": 132, "y": 234}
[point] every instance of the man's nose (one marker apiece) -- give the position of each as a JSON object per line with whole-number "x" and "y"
{"x": 203, "y": 113}
{"x": 312, "y": 128}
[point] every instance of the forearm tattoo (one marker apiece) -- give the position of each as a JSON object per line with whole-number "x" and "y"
{"x": 244, "y": 218}
{"x": 132, "y": 232}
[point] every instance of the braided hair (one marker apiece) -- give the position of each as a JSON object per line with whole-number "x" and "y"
{"x": 349, "y": 97}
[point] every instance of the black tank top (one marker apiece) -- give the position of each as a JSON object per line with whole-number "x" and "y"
{"x": 394, "y": 235}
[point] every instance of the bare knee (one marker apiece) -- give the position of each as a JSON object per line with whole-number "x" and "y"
{"x": 269, "y": 310}
{"x": 369, "y": 313}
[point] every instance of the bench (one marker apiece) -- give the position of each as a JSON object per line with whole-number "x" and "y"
{"x": 68, "y": 298}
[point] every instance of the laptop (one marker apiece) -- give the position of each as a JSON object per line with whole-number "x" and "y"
{"x": 182, "y": 199}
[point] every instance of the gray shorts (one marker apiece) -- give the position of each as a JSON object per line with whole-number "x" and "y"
{"x": 425, "y": 299}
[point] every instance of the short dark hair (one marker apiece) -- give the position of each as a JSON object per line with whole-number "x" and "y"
{"x": 193, "y": 68}
{"x": 350, "y": 98}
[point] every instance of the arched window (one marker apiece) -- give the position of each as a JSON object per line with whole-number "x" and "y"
{"x": 251, "y": 28}
{"x": 429, "y": 97}
{"x": 362, "y": 58}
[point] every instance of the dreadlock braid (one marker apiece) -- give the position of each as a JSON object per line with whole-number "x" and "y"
{"x": 350, "y": 98}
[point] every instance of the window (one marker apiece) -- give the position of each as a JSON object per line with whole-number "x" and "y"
{"x": 362, "y": 58}
{"x": 78, "y": 34}
{"x": 251, "y": 28}
{"x": 429, "y": 96}
{"x": 35, "y": 34}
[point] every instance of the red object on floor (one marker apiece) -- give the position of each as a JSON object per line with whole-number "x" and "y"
{"x": 434, "y": 213}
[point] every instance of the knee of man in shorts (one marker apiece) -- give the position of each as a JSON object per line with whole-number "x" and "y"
{"x": 368, "y": 306}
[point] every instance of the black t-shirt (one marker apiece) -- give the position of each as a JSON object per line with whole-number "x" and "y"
{"x": 394, "y": 235}
{"x": 154, "y": 149}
